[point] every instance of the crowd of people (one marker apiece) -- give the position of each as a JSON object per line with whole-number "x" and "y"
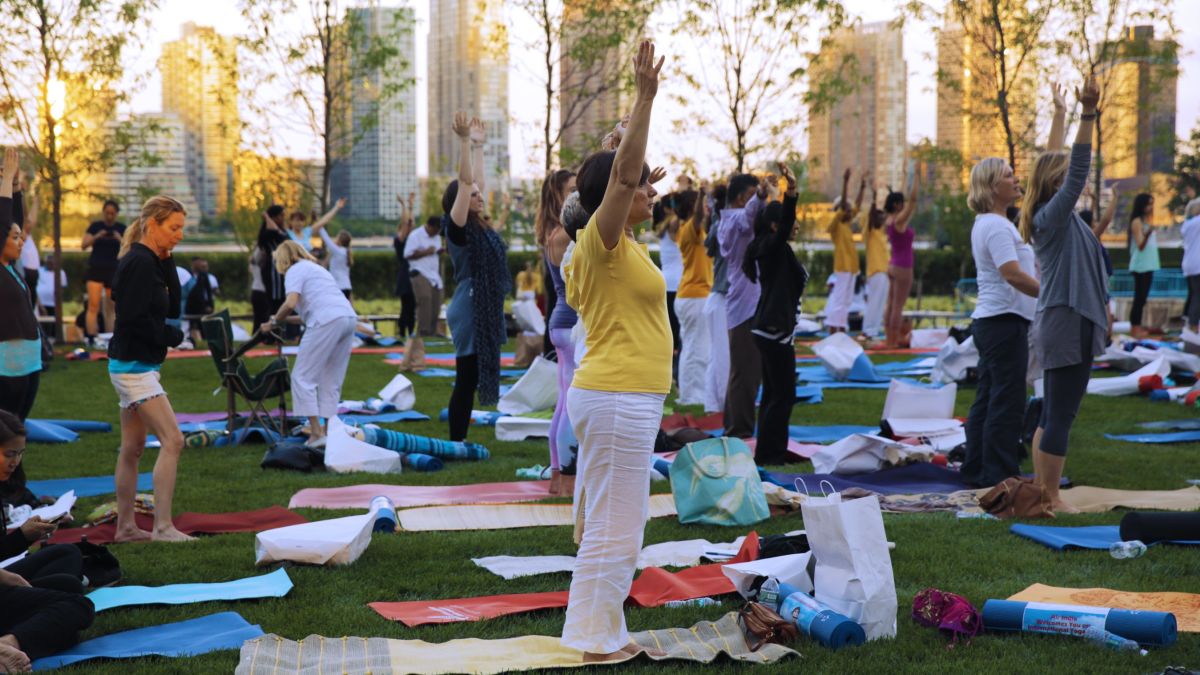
{"x": 714, "y": 320}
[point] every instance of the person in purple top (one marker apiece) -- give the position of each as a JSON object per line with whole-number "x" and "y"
{"x": 735, "y": 232}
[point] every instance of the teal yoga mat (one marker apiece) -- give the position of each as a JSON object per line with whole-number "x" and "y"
{"x": 225, "y": 630}
{"x": 89, "y": 486}
{"x": 273, "y": 585}
{"x": 79, "y": 425}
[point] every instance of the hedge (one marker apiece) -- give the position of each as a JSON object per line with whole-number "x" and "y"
{"x": 374, "y": 272}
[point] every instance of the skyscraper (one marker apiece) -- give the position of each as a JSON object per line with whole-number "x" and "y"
{"x": 131, "y": 180}
{"x": 200, "y": 85}
{"x": 968, "y": 120}
{"x": 866, "y": 129}
{"x": 589, "y": 94}
{"x": 1138, "y": 120}
{"x": 382, "y": 161}
{"x": 468, "y": 71}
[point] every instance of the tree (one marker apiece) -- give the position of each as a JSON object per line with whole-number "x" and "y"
{"x": 1187, "y": 170}
{"x": 59, "y": 88}
{"x": 750, "y": 66}
{"x": 1000, "y": 65}
{"x": 1132, "y": 72}
{"x": 319, "y": 65}
{"x": 583, "y": 46}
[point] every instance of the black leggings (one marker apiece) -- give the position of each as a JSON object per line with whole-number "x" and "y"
{"x": 43, "y": 621}
{"x": 1192, "y": 309}
{"x": 1064, "y": 389}
{"x": 59, "y": 567}
{"x": 1141, "y": 290}
{"x": 407, "y": 325}
{"x": 462, "y": 399}
{"x": 18, "y": 393}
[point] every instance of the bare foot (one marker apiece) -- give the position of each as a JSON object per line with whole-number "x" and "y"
{"x": 13, "y": 660}
{"x": 1059, "y": 506}
{"x": 622, "y": 654}
{"x": 134, "y": 533}
{"x": 568, "y": 485}
{"x": 555, "y": 482}
{"x": 170, "y": 534}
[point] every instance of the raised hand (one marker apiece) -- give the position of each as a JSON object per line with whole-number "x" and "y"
{"x": 1060, "y": 96}
{"x": 11, "y": 164}
{"x": 846, "y": 176}
{"x": 411, "y": 196}
{"x": 478, "y": 131}
{"x": 613, "y": 139}
{"x": 646, "y": 70}
{"x": 339, "y": 204}
{"x": 787, "y": 175}
{"x": 1090, "y": 96}
{"x": 461, "y": 125}
{"x": 657, "y": 174}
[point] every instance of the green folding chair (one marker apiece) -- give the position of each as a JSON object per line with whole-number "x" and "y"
{"x": 255, "y": 390}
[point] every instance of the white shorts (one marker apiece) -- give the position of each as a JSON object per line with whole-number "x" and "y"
{"x": 135, "y": 389}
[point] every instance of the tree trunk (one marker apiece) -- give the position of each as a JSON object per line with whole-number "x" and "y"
{"x": 1098, "y": 165}
{"x": 56, "y": 210}
{"x": 548, "y": 27}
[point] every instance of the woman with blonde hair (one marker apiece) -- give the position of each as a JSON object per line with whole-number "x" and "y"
{"x": 329, "y": 323}
{"x": 1006, "y": 303}
{"x": 1072, "y": 309}
{"x": 146, "y": 293}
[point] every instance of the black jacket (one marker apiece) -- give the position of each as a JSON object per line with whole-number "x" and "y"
{"x": 780, "y": 276}
{"x": 146, "y": 293}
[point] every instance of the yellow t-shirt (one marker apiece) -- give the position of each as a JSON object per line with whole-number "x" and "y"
{"x": 621, "y": 298}
{"x": 529, "y": 281}
{"x": 878, "y": 249}
{"x": 697, "y": 277}
{"x": 845, "y": 255}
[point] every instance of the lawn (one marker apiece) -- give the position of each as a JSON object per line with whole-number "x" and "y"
{"x": 976, "y": 558}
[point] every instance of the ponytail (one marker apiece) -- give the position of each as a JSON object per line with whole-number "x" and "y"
{"x": 133, "y": 234}
{"x": 156, "y": 208}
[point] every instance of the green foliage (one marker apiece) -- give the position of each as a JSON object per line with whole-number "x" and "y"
{"x": 1187, "y": 170}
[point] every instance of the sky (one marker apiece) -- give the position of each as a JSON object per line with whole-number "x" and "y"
{"x": 525, "y": 93}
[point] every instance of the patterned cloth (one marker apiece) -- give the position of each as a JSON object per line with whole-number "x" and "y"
{"x": 491, "y": 283}
{"x": 434, "y": 447}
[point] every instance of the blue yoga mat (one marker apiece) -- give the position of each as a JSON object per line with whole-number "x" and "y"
{"x": 386, "y": 418}
{"x": 902, "y": 480}
{"x": 1143, "y": 626}
{"x": 828, "y": 434}
{"x": 809, "y": 394}
{"x": 1062, "y": 538}
{"x": 225, "y": 630}
{"x": 436, "y": 372}
{"x": 78, "y": 425}
{"x": 90, "y": 486}
{"x": 273, "y": 585}
{"x": 1169, "y": 437}
{"x": 480, "y": 418}
{"x": 1189, "y": 424}
{"x": 38, "y": 431}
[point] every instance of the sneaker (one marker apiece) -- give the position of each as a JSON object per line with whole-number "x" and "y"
{"x": 315, "y": 443}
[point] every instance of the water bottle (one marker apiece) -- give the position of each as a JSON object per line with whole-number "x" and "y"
{"x": 768, "y": 593}
{"x": 1123, "y": 550}
{"x": 1100, "y": 637}
{"x": 694, "y": 602}
{"x": 981, "y": 515}
{"x": 385, "y": 514}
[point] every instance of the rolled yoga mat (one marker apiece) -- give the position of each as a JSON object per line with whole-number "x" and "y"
{"x": 1142, "y": 626}
{"x": 37, "y": 431}
{"x": 436, "y": 447}
{"x": 816, "y": 620}
{"x": 273, "y": 585}
{"x": 826, "y": 434}
{"x": 480, "y": 418}
{"x": 1150, "y": 528}
{"x": 88, "y": 486}
{"x": 1095, "y": 537}
{"x": 225, "y": 630}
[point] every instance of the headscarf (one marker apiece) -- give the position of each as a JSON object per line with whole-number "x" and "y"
{"x": 489, "y": 285}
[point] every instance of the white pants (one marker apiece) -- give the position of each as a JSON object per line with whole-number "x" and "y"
{"x": 616, "y": 434}
{"x": 697, "y": 345}
{"x": 877, "y": 295}
{"x": 837, "y": 307}
{"x": 716, "y": 374}
{"x": 321, "y": 366}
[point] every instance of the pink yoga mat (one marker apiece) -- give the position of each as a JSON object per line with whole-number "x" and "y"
{"x": 191, "y": 523}
{"x": 653, "y": 588}
{"x": 404, "y": 496}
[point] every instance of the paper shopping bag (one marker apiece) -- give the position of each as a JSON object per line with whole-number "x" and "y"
{"x": 917, "y": 402}
{"x": 400, "y": 393}
{"x": 954, "y": 359}
{"x": 536, "y": 390}
{"x": 838, "y": 352}
{"x": 853, "y": 574}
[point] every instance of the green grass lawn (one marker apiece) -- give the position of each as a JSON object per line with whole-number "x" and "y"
{"x": 976, "y": 558}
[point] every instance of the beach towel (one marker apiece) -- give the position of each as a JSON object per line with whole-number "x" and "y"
{"x": 225, "y": 630}
{"x": 666, "y": 554}
{"x": 190, "y": 523}
{"x": 1185, "y": 606}
{"x": 317, "y": 655}
{"x": 505, "y": 516}
{"x": 1096, "y": 500}
{"x": 273, "y": 585}
{"x": 407, "y": 496}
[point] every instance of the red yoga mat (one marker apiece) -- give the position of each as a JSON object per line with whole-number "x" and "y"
{"x": 405, "y": 496}
{"x": 653, "y": 588}
{"x": 704, "y": 423}
{"x": 191, "y": 523}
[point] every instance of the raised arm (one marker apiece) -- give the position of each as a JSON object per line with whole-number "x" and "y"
{"x": 407, "y": 218}
{"x": 1063, "y": 201}
{"x": 700, "y": 212}
{"x": 910, "y": 206}
{"x": 1058, "y": 126}
{"x": 783, "y": 233}
{"x": 11, "y": 167}
{"x": 478, "y": 138}
{"x": 328, "y": 217}
{"x": 626, "y": 175}
{"x": 862, "y": 188}
{"x": 1100, "y": 226}
{"x": 461, "y": 209}
{"x": 845, "y": 187}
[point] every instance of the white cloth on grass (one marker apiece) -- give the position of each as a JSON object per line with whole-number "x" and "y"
{"x": 696, "y": 349}
{"x": 321, "y": 301}
{"x": 321, "y": 365}
{"x": 688, "y": 553}
{"x": 837, "y": 307}
{"x": 716, "y": 373}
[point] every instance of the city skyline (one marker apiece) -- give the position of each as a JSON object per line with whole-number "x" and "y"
{"x": 524, "y": 124}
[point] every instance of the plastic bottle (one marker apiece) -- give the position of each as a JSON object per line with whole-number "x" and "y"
{"x": 385, "y": 514}
{"x": 982, "y": 515}
{"x": 694, "y": 602}
{"x": 768, "y": 593}
{"x": 1103, "y": 638}
{"x": 1123, "y": 550}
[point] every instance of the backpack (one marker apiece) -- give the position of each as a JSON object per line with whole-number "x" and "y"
{"x": 949, "y": 612}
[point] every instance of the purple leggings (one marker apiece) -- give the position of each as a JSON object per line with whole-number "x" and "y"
{"x": 562, "y": 436}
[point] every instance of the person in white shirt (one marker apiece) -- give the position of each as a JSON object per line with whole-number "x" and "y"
{"x": 45, "y": 285}
{"x": 1006, "y": 305}
{"x": 337, "y": 251}
{"x": 1191, "y": 263}
{"x": 329, "y": 323}
{"x": 422, "y": 250}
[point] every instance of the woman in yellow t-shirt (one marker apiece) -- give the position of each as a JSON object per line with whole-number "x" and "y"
{"x": 845, "y": 257}
{"x": 615, "y": 402}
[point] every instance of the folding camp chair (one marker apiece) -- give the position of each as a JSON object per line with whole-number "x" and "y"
{"x": 273, "y": 380}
